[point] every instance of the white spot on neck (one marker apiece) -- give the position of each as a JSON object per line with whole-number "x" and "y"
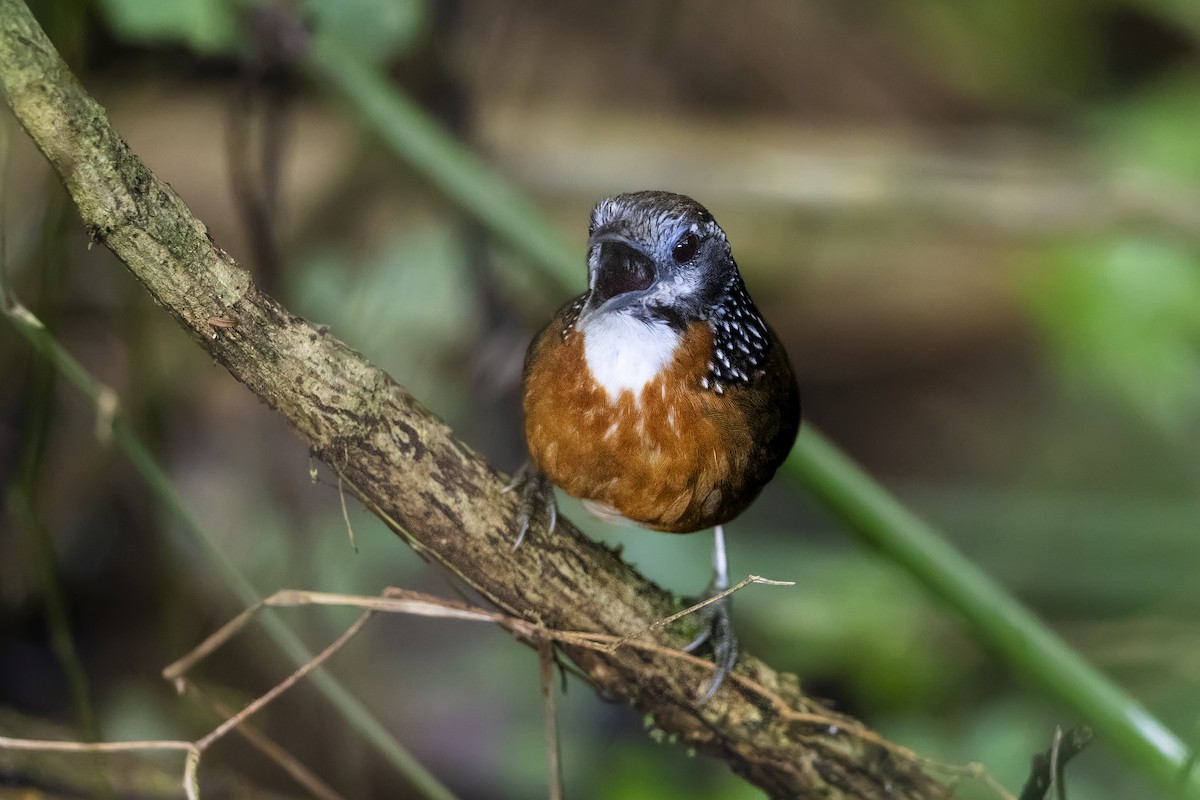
{"x": 623, "y": 352}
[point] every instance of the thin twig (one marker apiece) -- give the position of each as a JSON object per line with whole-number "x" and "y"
{"x": 175, "y": 670}
{"x": 346, "y": 514}
{"x": 550, "y": 718}
{"x": 190, "y": 785}
{"x": 1056, "y": 781}
{"x": 284, "y": 685}
{"x": 191, "y": 780}
{"x": 270, "y": 748}
{"x": 694, "y": 608}
{"x": 9, "y": 743}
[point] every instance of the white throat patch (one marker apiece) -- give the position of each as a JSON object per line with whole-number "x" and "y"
{"x": 623, "y": 352}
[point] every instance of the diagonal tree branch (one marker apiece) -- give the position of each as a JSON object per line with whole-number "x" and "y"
{"x": 407, "y": 467}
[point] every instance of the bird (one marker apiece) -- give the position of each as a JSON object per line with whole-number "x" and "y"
{"x": 660, "y": 396}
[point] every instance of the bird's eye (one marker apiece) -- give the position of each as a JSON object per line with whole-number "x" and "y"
{"x": 685, "y": 249}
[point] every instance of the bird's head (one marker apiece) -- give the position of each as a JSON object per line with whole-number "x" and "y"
{"x": 657, "y": 256}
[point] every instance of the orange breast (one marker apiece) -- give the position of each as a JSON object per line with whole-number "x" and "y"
{"x": 674, "y": 458}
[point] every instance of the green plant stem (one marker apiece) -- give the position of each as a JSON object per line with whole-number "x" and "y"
{"x": 998, "y": 619}
{"x": 454, "y": 169}
{"x": 44, "y": 563}
{"x": 24, "y": 494}
{"x": 356, "y": 714}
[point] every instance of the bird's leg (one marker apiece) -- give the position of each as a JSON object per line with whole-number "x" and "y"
{"x": 717, "y": 623}
{"x": 536, "y": 492}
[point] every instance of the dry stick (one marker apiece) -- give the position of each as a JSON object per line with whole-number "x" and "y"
{"x": 1056, "y": 779}
{"x": 175, "y": 672}
{"x": 401, "y": 601}
{"x": 694, "y": 608}
{"x": 346, "y": 514}
{"x": 269, "y": 747}
{"x": 190, "y": 785}
{"x": 286, "y": 684}
{"x": 191, "y": 781}
{"x": 50, "y": 745}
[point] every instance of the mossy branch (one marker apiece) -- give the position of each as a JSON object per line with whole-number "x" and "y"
{"x": 407, "y": 467}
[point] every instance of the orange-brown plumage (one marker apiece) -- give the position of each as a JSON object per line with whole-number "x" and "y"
{"x": 676, "y": 457}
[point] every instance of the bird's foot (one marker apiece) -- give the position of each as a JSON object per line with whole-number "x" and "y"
{"x": 716, "y": 630}
{"x": 535, "y": 492}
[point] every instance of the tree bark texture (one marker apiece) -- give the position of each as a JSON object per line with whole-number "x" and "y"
{"x": 408, "y": 468}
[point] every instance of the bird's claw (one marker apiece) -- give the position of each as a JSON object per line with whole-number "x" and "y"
{"x": 716, "y": 629}
{"x": 535, "y": 490}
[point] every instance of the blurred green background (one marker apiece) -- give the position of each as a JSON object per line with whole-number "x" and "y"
{"x": 976, "y": 226}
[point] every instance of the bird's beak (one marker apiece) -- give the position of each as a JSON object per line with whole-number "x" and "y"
{"x": 616, "y": 266}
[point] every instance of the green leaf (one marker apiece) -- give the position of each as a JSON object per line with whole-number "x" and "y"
{"x": 209, "y": 26}
{"x": 1124, "y": 315}
{"x": 1155, "y": 131}
{"x": 402, "y": 304}
{"x": 375, "y": 29}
